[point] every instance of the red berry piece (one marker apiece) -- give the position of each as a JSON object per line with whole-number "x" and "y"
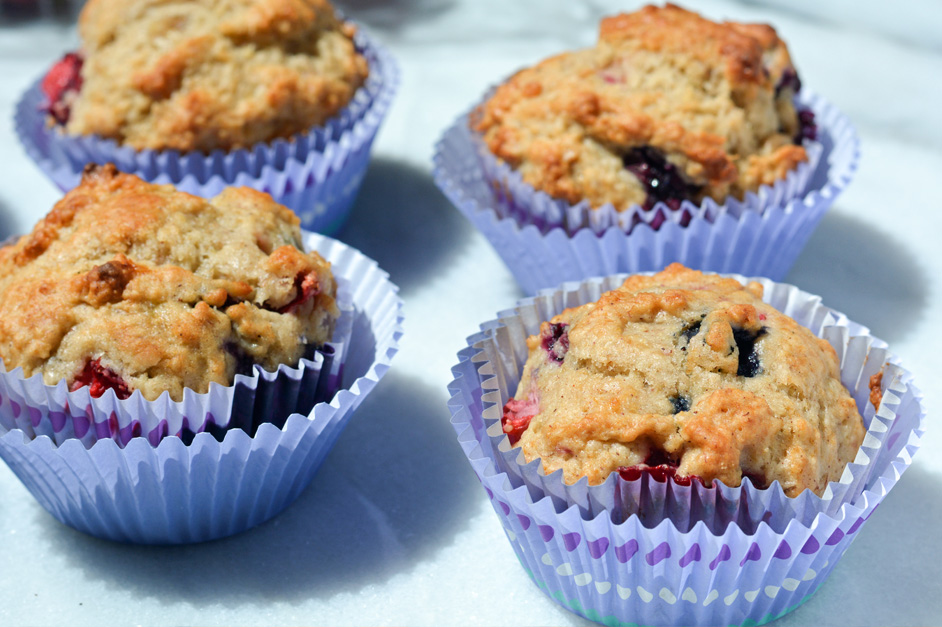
{"x": 516, "y": 418}
{"x": 61, "y": 84}
{"x": 555, "y": 341}
{"x": 98, "y": 378}
{"x": 307, "y": 288}
{"x": 659, "y": 473}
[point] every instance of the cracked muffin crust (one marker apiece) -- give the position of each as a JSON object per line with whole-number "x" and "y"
{"x": 126, "y": 285}
{"x": 668, "y": 106}
{"x": 687, "y": 376}
{"x": 205, "y": 74}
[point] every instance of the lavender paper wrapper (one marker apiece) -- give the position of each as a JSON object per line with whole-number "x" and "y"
{"x": 748, "y": 561}
{"x": 317, "y": 174}
{"x": 38, "y": 409}
{"x": 176, "y": 493}
{"x": 722, "y": 238}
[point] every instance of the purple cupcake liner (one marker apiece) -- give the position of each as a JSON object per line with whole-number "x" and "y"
{"x": 176, "y": 493}
{"x": 751, "y": 558}
{"x": 38, "y": 409}
{"x": 316, "y": 174}
{"x": 720, "y": 238}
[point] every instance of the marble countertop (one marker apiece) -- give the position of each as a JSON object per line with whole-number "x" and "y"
{"x": 394, "y": 529}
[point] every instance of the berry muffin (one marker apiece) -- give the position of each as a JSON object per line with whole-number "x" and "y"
{"x": 687, "y": 376}
{"x": 129, "y": 286}
{"x": 203, "y": 75}
{"x": 668, "y": 106}
{"x": 619, "y": 381}
{"x": 210, "y": 484}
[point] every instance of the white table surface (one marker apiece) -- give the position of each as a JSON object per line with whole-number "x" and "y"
{"x": 394, "y": 529}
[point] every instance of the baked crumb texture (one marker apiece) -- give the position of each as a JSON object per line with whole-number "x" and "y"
{"x": 129, "y": 286}
{"x": 668, "y": 106}
{"x": 687, "y": 376}
{"x": 211, "y": 74}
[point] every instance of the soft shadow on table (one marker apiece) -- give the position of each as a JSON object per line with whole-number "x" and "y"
{"x": 394, "y": 491}
{"x": 404, "y": 222}
{"x": 864, "y": 273}
{"x": 895, "y": 562}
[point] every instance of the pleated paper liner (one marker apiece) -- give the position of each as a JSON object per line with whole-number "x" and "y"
{"x": 174, "y": 492}
{"x": 316, "y": 174}
{"x": 655, "y": 553}
{"x": 761, "y": 237}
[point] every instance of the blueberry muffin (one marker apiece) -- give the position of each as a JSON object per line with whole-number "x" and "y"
{"x": 201, "y": 75}
{"x": 668, "y": 106}
{"x": 129, "y": 286}
{"x": 687, "y": 376}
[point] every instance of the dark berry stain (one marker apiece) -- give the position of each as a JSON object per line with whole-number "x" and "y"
{"x": 748, "y": 357}
{"x": 680, "y": 403}
{"x": 556, "y": 341}
{"x": 758, "y": 479}
{"x": 691, "y": 330}
{"x": 243, "y": 363}
{"x": 788, "y": 79}
{"x": 661, "y": 179}
{"x": 99, "y": 379}
{"x": 807, "y": 129}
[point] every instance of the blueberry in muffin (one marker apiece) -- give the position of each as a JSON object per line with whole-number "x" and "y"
{"x": 201, "y": 75}
{"x": 668, "y": 106}
{"x": 684, "y": 376}
{"x": 129, "y": 286}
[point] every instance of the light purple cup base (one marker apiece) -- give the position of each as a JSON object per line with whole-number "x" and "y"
{"x": 175, "y": 493}
{"x": 764, "y": 243}
{"x": 639, "y": 571}
{"x": 317, "y": 174}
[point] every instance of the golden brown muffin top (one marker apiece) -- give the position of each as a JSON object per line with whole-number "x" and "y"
{"x": 687, "y": 375}
{"x": 160, "y": 290}
{"x": 663, "y": 88}
{"x": 207, "y": 74}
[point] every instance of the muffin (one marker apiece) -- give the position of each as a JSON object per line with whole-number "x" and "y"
{"x": 674, "y": 139}
{"x": 659, "y": 547}
{"x": 129, "y": 286}
{"x": 205, "y": 75}
{"x": 177, "y": 490}
{"x": 689, "y": 376}
{"x": 280, "y": 95}
{"x": 668, "y": 106}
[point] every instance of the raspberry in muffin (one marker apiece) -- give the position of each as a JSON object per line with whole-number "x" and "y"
{"x": 202, "y": 75}
{"x": 686, "y": 376}
{"x": 127, "y": 285}
{"x": 668, "y": 106}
